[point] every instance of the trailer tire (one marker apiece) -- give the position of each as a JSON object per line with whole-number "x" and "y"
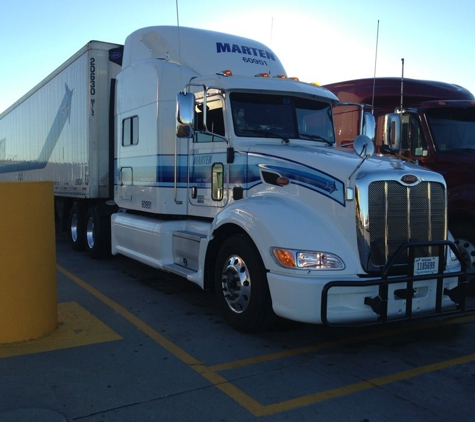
{"x": 76, "y": 227}
{"x": 95, "y": 241}
{"x": 241, "y": 286}
{"x": 464, "y": 236}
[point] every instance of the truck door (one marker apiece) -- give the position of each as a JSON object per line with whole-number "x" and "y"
{"x": 129, "y": 136}
{"x": 207, "y": 158}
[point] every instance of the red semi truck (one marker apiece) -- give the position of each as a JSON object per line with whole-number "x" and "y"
{"x": 431, "y": 123}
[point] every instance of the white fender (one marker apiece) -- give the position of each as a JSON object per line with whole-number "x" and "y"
{"x": 272, "y": 219}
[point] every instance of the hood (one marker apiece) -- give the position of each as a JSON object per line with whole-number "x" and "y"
{"x": 338, "y": 162}
{"x": 458, "y": 170}
{"x": 461, "y": 161}
{"x": 325, "y": 169}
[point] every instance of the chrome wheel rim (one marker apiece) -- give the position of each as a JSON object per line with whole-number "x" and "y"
{"x": 90, "y": 233}
{"x": 236, "y": 284}
{"x": 74, "y": 228}
{"x": 467, "y": 250}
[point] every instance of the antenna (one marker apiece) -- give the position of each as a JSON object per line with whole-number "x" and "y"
{"x": 271, "y": 40}
{"x": 375, "y": 61}
{"x": 179, "y": 40}
{"x": 402, "y": 85}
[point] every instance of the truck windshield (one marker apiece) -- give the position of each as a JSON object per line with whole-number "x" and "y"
{"x": 452, "y": 128}
{"x": 282, "y": 117}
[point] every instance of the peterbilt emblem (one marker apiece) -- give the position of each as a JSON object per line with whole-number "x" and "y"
{"x": 282, "y": 181}
{"x": 409, "y": 179}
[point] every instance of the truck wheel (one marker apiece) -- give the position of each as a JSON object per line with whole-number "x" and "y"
{"x": 76, "y": 227}
{"x": 465, "y": 240}
{"x": 241, "y": 286}
{"x": 94, "y": 240}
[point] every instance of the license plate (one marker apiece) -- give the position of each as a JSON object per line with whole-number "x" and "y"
{"x": 428, "y": 265}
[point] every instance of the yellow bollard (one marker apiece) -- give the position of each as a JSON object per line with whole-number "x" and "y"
{"x": 28, "y": 295}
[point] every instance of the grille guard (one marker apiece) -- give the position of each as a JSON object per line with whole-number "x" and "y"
{"x": 378, "y": 303}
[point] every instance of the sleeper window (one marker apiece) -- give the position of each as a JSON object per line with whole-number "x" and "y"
{"x": 130, "y": 131}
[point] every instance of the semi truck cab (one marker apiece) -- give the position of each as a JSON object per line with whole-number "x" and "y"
{"x": 435, "y": 128}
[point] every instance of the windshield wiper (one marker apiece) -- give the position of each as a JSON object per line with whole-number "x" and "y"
{"x": 266, "y": 134}
{"x": 316, "y": 138}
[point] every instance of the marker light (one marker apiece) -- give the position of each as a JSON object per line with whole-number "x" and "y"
{"x": 310, "y": 260}
{"x": 294, "y": 78}
{"x": 281, "y": 76}
{"x": 263, "y": 75}
{"x": 226, "y": 72}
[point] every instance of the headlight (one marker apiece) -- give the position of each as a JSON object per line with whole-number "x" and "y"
{"x": 310, "y": 260}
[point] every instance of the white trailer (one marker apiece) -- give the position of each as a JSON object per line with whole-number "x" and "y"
{"x": 224, "y": 171}
{"x": 60, "y": 131}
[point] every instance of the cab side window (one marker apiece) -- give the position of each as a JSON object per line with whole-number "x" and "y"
{"x": 214, "y": 125}
{"x": 130, "y": 131}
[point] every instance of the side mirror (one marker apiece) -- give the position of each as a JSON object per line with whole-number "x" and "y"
{"x": 392, "y": 131}
{"x": 369, "y": 126}
{"x": 363, "y": 146}
{"x": 185, "y": 110}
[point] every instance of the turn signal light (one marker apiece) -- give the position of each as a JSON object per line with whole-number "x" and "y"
{"x": 285, "y": 257}
{"x": 310, "y": 260}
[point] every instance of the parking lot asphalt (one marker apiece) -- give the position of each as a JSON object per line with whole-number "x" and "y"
{"x": 136, "y": 344}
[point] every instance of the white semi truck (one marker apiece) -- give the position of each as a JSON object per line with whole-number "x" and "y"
{"x": 191, "y": 151}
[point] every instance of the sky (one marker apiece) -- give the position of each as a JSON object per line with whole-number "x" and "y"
{"x": 321, "y": 41}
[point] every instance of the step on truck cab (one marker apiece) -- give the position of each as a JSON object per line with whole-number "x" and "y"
{"x": 225, "y": 171}
{"x": 428, "y": 122}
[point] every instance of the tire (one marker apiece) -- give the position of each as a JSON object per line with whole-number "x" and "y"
{"x": 76, "y": 227}
{"x": 94, "y": 238}
{"x": 464, "y": 236}
{"x": 241, "y": 286}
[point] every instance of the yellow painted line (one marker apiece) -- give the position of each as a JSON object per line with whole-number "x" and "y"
{"x": 252, "y": 405}
{"x": 343, "y": 342}
{"x": 217, "y": 380}
{"x": 76, "y": 327}
{"x": 364, "y": 385}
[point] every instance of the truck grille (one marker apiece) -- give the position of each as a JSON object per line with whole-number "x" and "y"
{"x": 398, "y": 213}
